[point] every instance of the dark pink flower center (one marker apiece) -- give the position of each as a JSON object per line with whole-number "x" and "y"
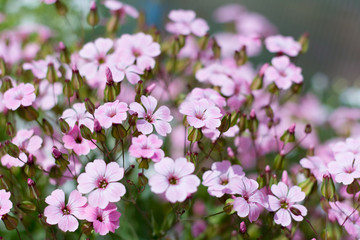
{"x": 19, "y": 95}
{"x": 66, "y": 210}
{"x": 101, "y": 60}
{"x": 350, "y": 169}
{"x": 102, "y": 183}
{"x": 284, "y": 203}
{"x": 100, "y": 218}
{"x": 173, "y": 180}
{"x": 78, "y": 139}
{"x": 149, "y": 118}
{"x": 136, "y": 52}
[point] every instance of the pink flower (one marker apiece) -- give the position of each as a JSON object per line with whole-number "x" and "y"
{"x": 120, "y": 70}
{"x": 218, "y": 178}
{"x": 74, "y": 141}
{"x": 65, "y": 214}
{"x": 210, "y": 94}
{"x": 111, "y": 112}
{"x": 121, "y": 8}
{"x": 281, "y": 44}
{"x": 345, "y": 168}
{"x": 77, "y": 115}
{"x": 5, "y": 203}
{"x": 101, "y": 181}
{"x": 95, "y": 58}
{"x": 48, "y": 94}
{"x": 184, "y": 23}
{"x": 349, "y": 145}
{"x": 283, "y": 72}
{"x": 201, "y": 113}
{"x": 251, "y": 201}
{"x": 139, "y": 48}
{"x": 284, "y": 203}
{"x": 147, "y": 147}
{"x": 21, "y": 95}
{"x": 27, "y": 143}
{"x": 340, "y": 211}
{"x": 49, "y": 1}
{"x": 40, "y": 68}
{"x": 104, "y": 220}
{"x": 148, "y": 117}
{"x": 317, "y": 166}
{"x": 174, "y": 178}
{"x": 215, "y": 73}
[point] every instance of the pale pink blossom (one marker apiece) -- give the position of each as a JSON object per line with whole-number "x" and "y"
{"x": 148, "y": 117}
{"x": 281, "y": 44}
{"x": 100, "y": 180}
{"x": 219, "y": 177}
{"x": 229, "y": 43}
{"x": 349, "y": 145}
{"x": 111, "y": 112}
{"x": 285, "y": 203}
{"x": 121, "y": 9}
{"x": 104, "y": 220}
{"x": 184, "y": 22}
{"x": 283, "y": 72}
{"x": 345, "y": 168}
{"x": 74, "y": 141}
{"x": 317, "y": 166}
{"x": 77, "y": 115}
{"x": 121, "y": 69}
{"x": 40, "y": 68}
{"x": 147, "y": 147}
{"x": 251, "y": 200}
{"x": 174, "y": 178}
{"x": 5, "y": 203}
{"x": 341, "y": 211}
{"x": 216, "y": 73}
{"x": 65, "y": 214}
{"x": 48, "y": 94}
{"x": 210, "y": 94}
{"x": 198, "y": 227}
{"x": 21, "y": 95}
{"x": 28, "y": 143}
{"x": 201, "y": 113}
{"x": 49, "y": 1}
{"x": 254, "y": 25}
{"x": 139, "y": 48}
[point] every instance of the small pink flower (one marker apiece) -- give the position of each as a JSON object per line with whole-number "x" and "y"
{"x": 120, "y": 70}
{"x": 65, "y": 214}
{"x": 77, "y": 115}
{"x": 48, "y": 94}
{"x": 148, "y": 117}
{"x": 184, "y": 23}
{"x": 104, "y": 220}
{"x": 201, "y": 113}
{"x": 349, "y": 145}
{"x": 198, "y": 227}
{"x": 210, "y": 94}
{"x": 251, "y": 201}
{"x": 74, "y": 141}
{"x": 345, "y": 168}
{"x": 218, "y": 178}
{"x": 21, "y": 95}
{"x": 174, "y": 178}
{"x": 340, "y": 211}
{"x": 121, "y": 8}
{"x": 281, "y": 44}
{"x": 283, "y": 72}
{"x": 284, "y": 203}
{"x": 111, "y": 112}
{"x": 101, "y": 181}
{"x": 216, "y": 73}
{"x": 5, "y": 203}
{"x": 40, "y": 68}
{"x": 316, "y": 165}
{"x": 147, "y": 147}
{"x": 139, "y": 48}
{"x": 27, "y": 143}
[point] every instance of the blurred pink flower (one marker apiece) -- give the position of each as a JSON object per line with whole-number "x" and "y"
{"x": 283, "y": 72}
{"x": 147, "y": 147}
{"x": 74, "y": 141}
{"x": 120, "y": 70}
{"x": 251, "y": 199}
{"x": 184, "y": 23}
{"x": 100, "y": 180}
{"x": 148, "y": 117}
{"x": 40, "y": 68}
{"x": 111, "y": 112}
{"x": 220, "y": 176}
{"x": 139, "y": 48}
{"x": 207, "y": 93}
{"x": 345, "y": 168}
{"x": 341, "y": 211}
{"x": 121, "y": 9}
{"x": 27, "y": 142}
{"x": 198, "y": 227}
{"x": 49, "y": 1}
{"x": 215, "y": 73}
{"x": 77, "y": 115}
{"x": 281, "y": 44}
{"x": 284, "y": 203}
{"x": 48, "y": 94}
{"x": 65, "y": 214}
{"x": 201, "y": 113}
{"x": 174, "y": 178}
{"x": 5, "y": 202}
{"x": 316, "y": 165}
{"x": 21, "y": 95}
{"x": 104, "y": 220}
{"x": 349, "y": 145}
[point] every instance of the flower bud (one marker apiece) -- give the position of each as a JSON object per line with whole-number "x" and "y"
{"x": 229, "y": 208}
{"x": 143, "y": 180}
{"x": 6, "y": 84}
{"x": 203, "y": 42}
{"x": 273, "y": 180}
{"x": 10, "y": 131}
{"x": 216, "y": 49}
{"x": 68, "y": 89}
{"x": 93, "y": 16}
{"x": 242, "y": 227}
{"x": 133, "y": 119}
{"x": 64, "y": 126}
{"x": 12, "y": 149}
{"x": 225, "y": 123}
{"x": 110, "y": 89}
{"x": 56, "y": 153}
{"x": 112, "y": 24}
{"x": 279, "y": 162}
{"x": 144, "y": 163}
{"x": 304, "y": 42}
{"x": 327, "y": 186}
{"x": 194, "y": 134}
{"x": 76, "y": 78}
{"x": 51, "y": 74}
{"x": 261, "y": 181}
{"x": 28, "y": 113}
{"x": 242, "y": 123}
{"x": 289, "y": 135}
{"x": 9, "y": 221}
{"x": 34, "y": 192}
{"x": 3, "y": 184}
{"x": 253, "y": 122}
{"x": 308, "y": 129}
{"x": 2, "y": 67}
{"x": 85, "y": 132}
{"x": 87, "y": 228}
{"x": 27, "y": 206}
{"x": 89, "y": 105}
{"x": 97, "y": 126}
{"x": 308, "y": 185}
{"x": 61, "y": 8}
{"x": 118, "y": 131}
{"x": 149, "y": 89}
{"x": 64, "y": 53}
{"x": 47, "y": 127}
{"x": 241, "y": 56}
{"x": 295, "y": 211}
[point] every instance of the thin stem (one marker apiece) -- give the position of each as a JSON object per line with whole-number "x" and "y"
{"x": 317, "y": 235}
{"x": 123, "y": 152}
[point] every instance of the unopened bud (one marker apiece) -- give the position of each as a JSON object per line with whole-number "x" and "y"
{"x": 243, "y": 227}
{"x": 12, "y": 149}
{"x": 64, "y": 126}
{"x": 76, "y": 78}
{"x": 85, "y": 132}
{"x": 47, "y": 127}
{"x": 56, "y": 153}
{"x": 97, "y": 126}
{"x": 327, "y": 186}
{"x": 308, "y": 129}
{"x": 216, "y": 49}
{"x": 93, "y": 16}
{"x": 68, "y": 89}
{"x": 241, "y": 56}
{"x": 10, "y": 131}
{"x": 89, "y": 105}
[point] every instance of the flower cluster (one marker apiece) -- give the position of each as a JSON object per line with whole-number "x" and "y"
{"x": 171, "y": 132}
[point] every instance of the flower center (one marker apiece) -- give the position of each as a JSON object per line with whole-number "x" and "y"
{"x": 136, "y": 52}
{"x": 19, "y": 95}
{"x": 224, "y": 181}
{"x": 149, "y": 118}
{"x": 173, "y": 180}
{"x": 103, "y": 183}
{"x": 65, "y": 210}
{"x": 78, "y": 139}
{"x": 100, "y": 219}
{"x": 101, "y": 60}
{"x": 284, "y": 204}
{"x": 111, "y": 113}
